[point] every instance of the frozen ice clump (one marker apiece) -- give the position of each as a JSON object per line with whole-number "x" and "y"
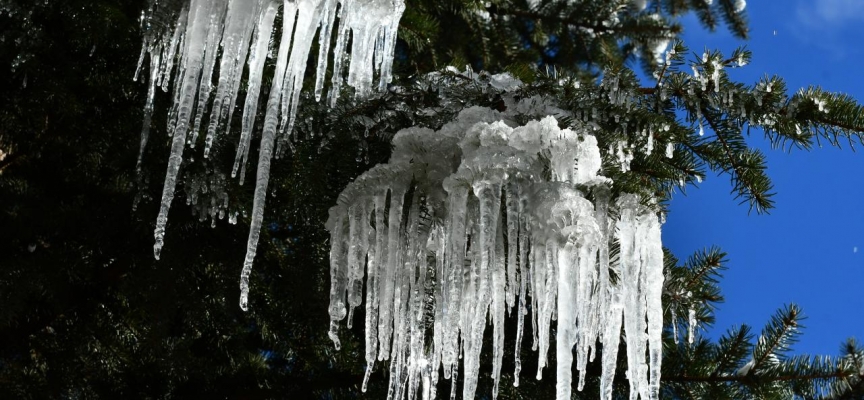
{"x": 482, "y": 212}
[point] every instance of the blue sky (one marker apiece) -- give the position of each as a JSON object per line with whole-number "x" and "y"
{"x": 810, "y": 249}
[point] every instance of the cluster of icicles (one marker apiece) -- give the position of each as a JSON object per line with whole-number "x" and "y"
{"x": 484, "y": 218}
{"x": 234, "y": 33}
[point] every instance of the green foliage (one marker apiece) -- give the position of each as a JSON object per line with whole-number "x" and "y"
{"x": 737, "y": 368}
{"x": 88, "y": 313}
{"x": 578, "y": 35}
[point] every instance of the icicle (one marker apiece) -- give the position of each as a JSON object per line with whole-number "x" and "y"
{"x": 309, "y": 16}
{"x": 358, "y": 242}
{"x": 497, "y": 308}
{"x": 211, "y": 48}
{"x": 195, "y": 42}
{"x": 373, "y": 28}
{"x": 338, "y": 271}
{"x": 256, "y": 66}
{"x": 377, "y": 260}
{"x": 512, "y": 242}
{"x": 478, "y": 271}
{"x": 324, "y": 46}
{"x": 566, "y": 335}
{"x": 454, "y": 272}
{"x": 715, "y": 75}
{"x": 265, "y": 154}
{"x": 489, "y": 196}
{"x": 691, "y": 325}
{"x": 674, "y": 324}
{"x": 611, "y": 339}
{"x": 203, "y": 27}
{"x": 387, "y": 283}
{"x": 524, "y": 277}
{"x": 235, "y": 47}
{"x": 649, "y": 145}
{"x": 633, "y": 308}
{"x": 548, "y": 289}
{"x": 641, "y": 258}
{"x": 576, "y": 263}
{"x": 652, "y": 257}
{"x": 263, "y": 178}
{"x": 148, "y": 109}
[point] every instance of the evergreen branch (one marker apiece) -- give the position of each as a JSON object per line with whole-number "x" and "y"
{"x": 710, "y": 262}
{"x": 704, "y": 12}
{"x": 750, "y": 380}
{"x": 812, "y": 367}
{"x": 749, "y": 181}
{"x": 854, "y": 390}
{"x": 732, "y": 348}
{"x": 836, "y": 110}
{"x": 696, "y": 279}
{"x": 653, "y": 30}
{"x": 853, "y": 354}
{"x": 735, "y": 20}
{"x": 776, "y": 336}
{"x": 822, "y": 114}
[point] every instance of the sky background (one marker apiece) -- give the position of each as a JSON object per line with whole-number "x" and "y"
{"x": 810, "y": 249}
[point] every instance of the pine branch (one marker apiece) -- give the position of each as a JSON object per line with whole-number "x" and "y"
{"x": 736, "y": 21}
{"x": 828, "y": 111}
{"x": 750, "y": 182}
{"x": 707, "y": 263}
{"x": 776, "y": 336}
{"x": 732, "y": 348}
{"x": 623, "y": 29}
{"x": 750, "y": 380}
{"x": 854, "y": 389}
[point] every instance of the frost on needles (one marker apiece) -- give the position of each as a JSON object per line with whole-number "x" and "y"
{"x": 483, "y": 218}
{"x": 186, "y": 39}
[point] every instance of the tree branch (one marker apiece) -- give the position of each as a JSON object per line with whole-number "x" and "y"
{"x": 596, "y": 27}
{"x": 748, "y": 378}
{"x": 773, "y": 345}
{"x": 728, "y": 151}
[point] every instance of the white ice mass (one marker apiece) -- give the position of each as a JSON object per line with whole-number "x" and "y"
{"x": 187, "y": 39}
{"x": 483, "y": 218}
{"x": 464, "y": 226}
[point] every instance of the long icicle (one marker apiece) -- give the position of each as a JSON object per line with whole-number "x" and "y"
{"x": 203, "y": 27}
{"x": 265, "y": 153}
{"x": 196, "y": 32}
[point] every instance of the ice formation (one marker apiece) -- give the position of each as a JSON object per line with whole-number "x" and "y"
{"x": 484, "y": 218}
{"x": 187, "y": 39}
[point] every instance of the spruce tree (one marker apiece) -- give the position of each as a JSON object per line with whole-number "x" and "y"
{"x": 88, "y": 313}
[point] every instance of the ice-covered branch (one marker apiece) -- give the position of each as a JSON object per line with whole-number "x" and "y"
{"x": 514, "y": 209}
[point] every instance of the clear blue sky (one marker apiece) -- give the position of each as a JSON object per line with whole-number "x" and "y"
{"x": 804, "y": 251}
